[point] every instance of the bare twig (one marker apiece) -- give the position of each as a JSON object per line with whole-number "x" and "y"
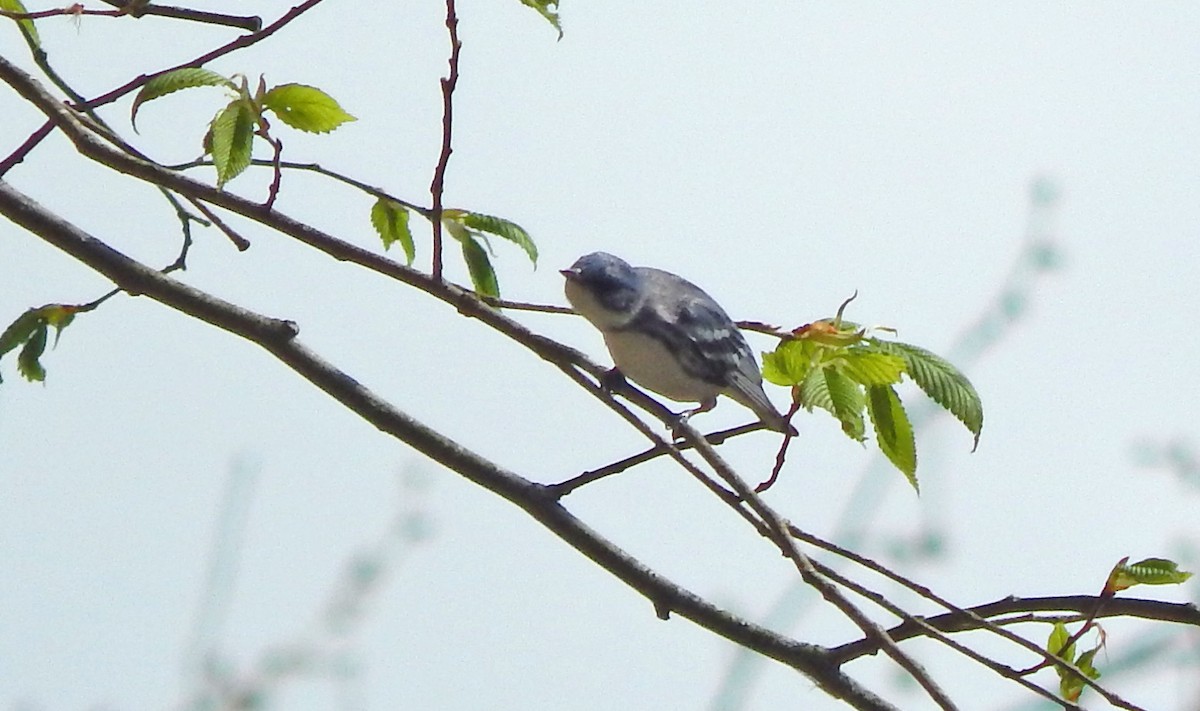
{"x": 26, "y": 146}
{"x": 975, "y": 616}
{"x": 239, "y": 241}
{"x": 244, "y": 22}
{"x": 437, "y": 186}
{"x": 778, "y": 534}
{"x": 327, "y": 172}
{"x": 715, "y": 438}
{"x": 781, "y": 455}
{"x": 74, "y": 10}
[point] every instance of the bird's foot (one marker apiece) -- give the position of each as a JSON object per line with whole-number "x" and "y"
{"x": 612, "y": 380}
{"x": 682, "y": 418}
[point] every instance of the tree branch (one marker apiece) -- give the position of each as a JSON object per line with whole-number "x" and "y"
{"x": 437, "y": 186}
{"x": 278, "y": 337}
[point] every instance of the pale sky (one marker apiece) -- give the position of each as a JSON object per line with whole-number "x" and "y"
{"x": 781, "y": 155}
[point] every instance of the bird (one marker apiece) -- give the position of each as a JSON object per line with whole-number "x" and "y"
{"x": 668, "y": 335}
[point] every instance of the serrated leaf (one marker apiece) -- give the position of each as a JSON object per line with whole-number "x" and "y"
{"x": 306, "y": 108}
{"x": 814, "y": 391}
{"x": 941, "y": 381}
{"x": 232, "y": 136}
{"x": 172, "y": 82}
{"x": 1151, "y": 571}
{"x": 483, "y": 276}
{"x": 547, "y": 9}
{"x": 501, "y": 227}
{"x": 893, "y": 431}
{"x": 788, "y": 364}
{"x": 28, "y": 363}
{"x": 390, "y": 220}
{"x": 27, "y": 26}
{"x": 828, "y": 389}
{"x": 872, "y": 367}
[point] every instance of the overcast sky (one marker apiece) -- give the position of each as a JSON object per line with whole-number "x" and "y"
{"x": 782, "y": 155}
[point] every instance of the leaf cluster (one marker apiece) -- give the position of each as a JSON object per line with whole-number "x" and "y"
{"x": 1060, "y": 644}
{"x": 31, "y": 332}
{"x": 471, "y": 229}
{"x": 230, "y": 136}
{"x": 1124, "y": 575}
{"x": 836, "y": 366}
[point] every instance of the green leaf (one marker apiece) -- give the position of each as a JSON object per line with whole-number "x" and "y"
{"x": 482, "y": 274}
{"x": 27, "y": 26}
{"x": 390, "y": 220}
{"x": 1058, "y": 637}
{"x": 848, "y": 403}
{"x": 500, "y": 227}
{"x": 171, "y": 82}
{"x": 547, "y": 9}
{"x": 306, "y": 108}
{"x": 872, "y": 367}
{"x": 27, "y": 360}
{"x": 20, "y": 330}
{"x": 789, "y": 364}
{"x": 893, "y": 431}
{"x": 941, "y": 381}
{"x": 829, "y": 390}
{"x": 232, "y": 133}
{"x": 1151, "y": 571}
{"x": 1086, "y": 663}
{"x": 814, "y": 390}
{"x": 1070, "y": 683}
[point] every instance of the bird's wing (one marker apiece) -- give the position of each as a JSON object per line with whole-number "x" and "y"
{"x": 708, "y": 343}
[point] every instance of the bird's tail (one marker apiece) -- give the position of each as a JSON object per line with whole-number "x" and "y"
{"x": 752, "y": 395}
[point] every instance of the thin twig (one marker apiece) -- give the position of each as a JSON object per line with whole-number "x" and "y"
{"x": 781, "y": 455}
{"x": 239, "y": 43}
{"x": 716, "y": 438}
{"x": 975, "y": 616}
{"x": 525, "y": 306}
{"x": 74, "y": 10}
{"x": 934, "y": 633}
{"x": 779, "y": 535}
{"x": 276, "y": 172}
{"x": 239, "y": 241}
{"x": 437, "y": 186}
{"x": 26, "y": 146}
{"x": 321, "y": 170}
{"x": 245, "y": 22}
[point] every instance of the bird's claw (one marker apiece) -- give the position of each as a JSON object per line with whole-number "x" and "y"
{"x": 612, "y": 380}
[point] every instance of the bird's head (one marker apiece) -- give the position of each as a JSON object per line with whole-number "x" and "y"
{"x": 604, "y": 289}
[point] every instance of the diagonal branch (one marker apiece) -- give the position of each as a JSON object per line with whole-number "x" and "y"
{"x": 278, "y": 337}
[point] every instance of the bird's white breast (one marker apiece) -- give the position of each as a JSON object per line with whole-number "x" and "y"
{"x": 648, "y": 363}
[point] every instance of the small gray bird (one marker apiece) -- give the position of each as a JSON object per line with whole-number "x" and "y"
{"x": 665, "y": 334}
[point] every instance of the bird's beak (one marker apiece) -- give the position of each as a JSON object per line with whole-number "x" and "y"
{"x": 571, "y": 274}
